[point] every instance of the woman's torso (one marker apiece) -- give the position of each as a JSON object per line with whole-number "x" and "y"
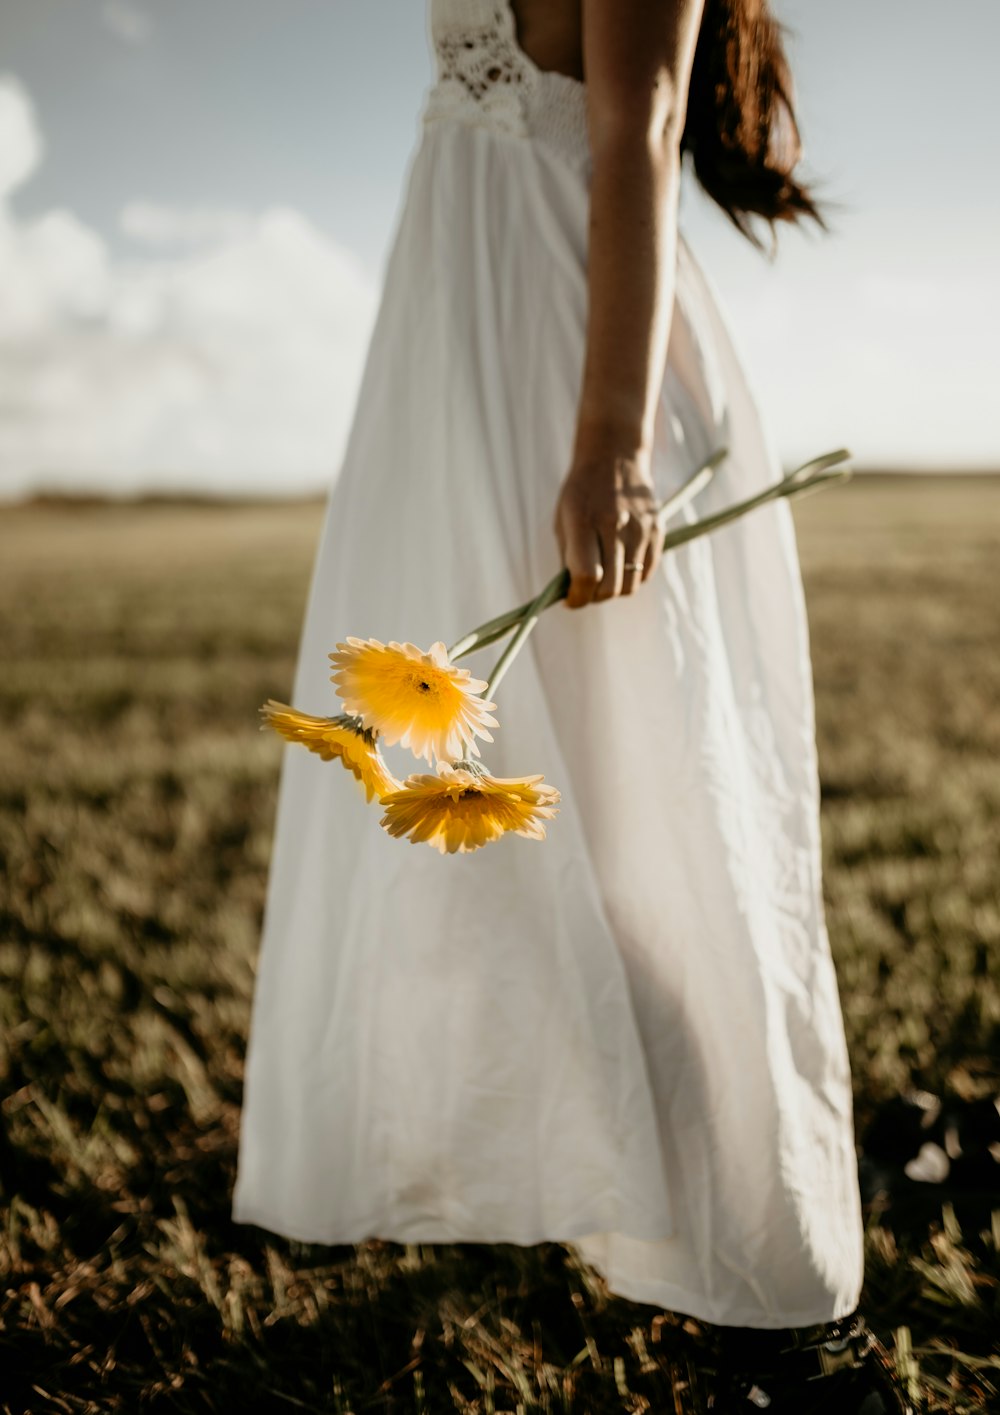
{"x": 551, "y": 34}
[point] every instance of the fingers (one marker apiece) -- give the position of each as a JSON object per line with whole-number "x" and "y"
{"x": 609, "y": 538}
{"x": 584, "y": 561}
{"x": 653, "y": 551}
{"x": 625, "y": 551}
{"x": 612, "y": 562}
{"x": 645, "y": 560}
{"x": 607, "y": 562}
{"x": 634, "y": 573}
{"x": 639, "y": 563}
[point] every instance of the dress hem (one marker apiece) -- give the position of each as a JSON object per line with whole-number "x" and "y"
{"x": 662, "y": 1295}
{"x": 440, "y": 1231}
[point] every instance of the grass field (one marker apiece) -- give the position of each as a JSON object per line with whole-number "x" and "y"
{"x": 136, "y": 799}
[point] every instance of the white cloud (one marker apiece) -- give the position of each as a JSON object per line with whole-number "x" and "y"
{"x": 52, "y": 270}
{"x": 880, "y": 337}
{"x": 20, "y": 139}
{"x": 155, "y": 225}
{"x": 127, "y": 22}
{"x": 229, "y": 359}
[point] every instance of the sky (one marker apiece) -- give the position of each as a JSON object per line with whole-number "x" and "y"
{"x": 198, "y": 197}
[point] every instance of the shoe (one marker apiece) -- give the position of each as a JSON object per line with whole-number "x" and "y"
{"x": 837, "y": 1368}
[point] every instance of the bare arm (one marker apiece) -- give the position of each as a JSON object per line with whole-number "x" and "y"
{"x": 637, "y": 59}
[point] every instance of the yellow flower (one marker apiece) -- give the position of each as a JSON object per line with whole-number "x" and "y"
{"x": 418, "y": 699}
{"x": 343, "y": 738}
{"x": 463, "y": 807}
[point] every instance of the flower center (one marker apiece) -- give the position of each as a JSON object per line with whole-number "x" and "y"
{"x": 474, "y": 768}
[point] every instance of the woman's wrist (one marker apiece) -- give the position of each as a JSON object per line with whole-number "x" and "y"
{"x": 603, "y": 437}
{"x": 611, "y": 473}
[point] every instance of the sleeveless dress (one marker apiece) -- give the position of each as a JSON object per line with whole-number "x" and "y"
{"x": 626, "y": 1036}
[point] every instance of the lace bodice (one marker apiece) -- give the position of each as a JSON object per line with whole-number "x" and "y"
{"x": 485, "y": 79}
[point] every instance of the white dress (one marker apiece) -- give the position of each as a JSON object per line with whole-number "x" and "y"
{"x": 627, "y": 1035}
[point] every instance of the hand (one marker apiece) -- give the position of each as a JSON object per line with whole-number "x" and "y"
{"x": 605, "y": 520}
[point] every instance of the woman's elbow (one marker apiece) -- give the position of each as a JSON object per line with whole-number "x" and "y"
{"x": 652, "y": 121}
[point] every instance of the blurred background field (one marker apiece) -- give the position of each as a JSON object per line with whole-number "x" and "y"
{"x": 136, "y": 804}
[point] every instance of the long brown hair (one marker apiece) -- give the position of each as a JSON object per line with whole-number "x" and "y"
{"x": 741, "y": 129}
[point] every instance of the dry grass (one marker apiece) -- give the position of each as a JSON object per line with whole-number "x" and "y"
{"x": 136, "y": 799}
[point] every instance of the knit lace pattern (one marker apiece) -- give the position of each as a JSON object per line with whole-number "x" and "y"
{"x": 484, "y": 79}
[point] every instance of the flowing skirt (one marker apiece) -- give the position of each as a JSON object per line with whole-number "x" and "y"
{"x": 627, "y": 1036}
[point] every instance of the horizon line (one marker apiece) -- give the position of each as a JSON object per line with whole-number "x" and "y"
{"x": 53, "y": 497}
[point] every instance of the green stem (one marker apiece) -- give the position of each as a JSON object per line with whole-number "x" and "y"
{"x": 811, "y": 476}
{"x": 825, "y": 463}
{"x": 494, "y": 629}
{"x": 487, "y": 633}
{"x": 790, "y": 487}
{"x": 506, "y": 622}
{"x": 695, "y": 483}
{"x": 554, "y": 590}
{"x": 799, "y": 493}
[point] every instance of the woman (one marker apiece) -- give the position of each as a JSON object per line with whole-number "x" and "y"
{"x": 628, "y": 1037}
